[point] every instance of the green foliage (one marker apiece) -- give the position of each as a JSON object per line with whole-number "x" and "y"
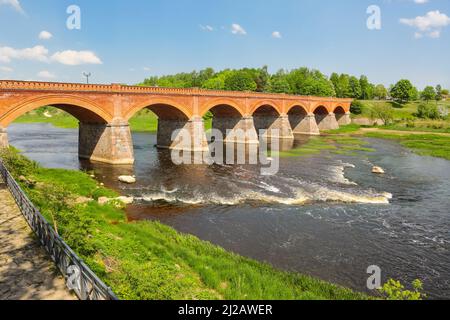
{"x": 310, "y": 82}
{"x": 240, "y": 81}
{"x": 367, "y": 89}
{"x": 439, "y": 93}
{"x": 278, "y": 83}
{"x": 356, "y": 107}
{"x": 394, "y": 290}
{"x": 403, "y": 91}
{"x": 341, "y": 85}
{"x": 16, "y": 163}
{"x": 355, "y": 88}
{"x": 428, "y": 111}
{"x": 380, "y": 92}
{"x": 383, "y": 112}
{"x": 428, "y": 94}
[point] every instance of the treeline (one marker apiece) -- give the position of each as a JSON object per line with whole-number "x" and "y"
{"x": 301, "y": 81}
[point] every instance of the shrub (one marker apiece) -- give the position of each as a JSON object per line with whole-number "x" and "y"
{"x": 394, "y": 290}
{"x": 17, "y": 164}
{"x": 428, "y": 111}
{"x": 383, "y": 112}
{"x": 356, "y": 107}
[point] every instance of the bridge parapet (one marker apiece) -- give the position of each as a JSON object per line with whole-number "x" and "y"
{"x": 119, "y": 88}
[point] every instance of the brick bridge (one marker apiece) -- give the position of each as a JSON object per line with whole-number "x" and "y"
{"x": 103, "y": 112}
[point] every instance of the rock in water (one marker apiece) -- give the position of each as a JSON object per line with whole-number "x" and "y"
{"x": 125, "y": 200}
{"x": 127, "y": 179}
{"x": 378, "y": 170}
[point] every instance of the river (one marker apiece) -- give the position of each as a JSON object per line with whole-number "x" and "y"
{"x": 327, "y": 216}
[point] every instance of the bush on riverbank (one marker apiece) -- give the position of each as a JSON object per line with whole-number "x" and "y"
{"x": 147, "y": 260}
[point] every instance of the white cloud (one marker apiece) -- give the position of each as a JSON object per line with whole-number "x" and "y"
{"x": 41, "y": 54}
{"x": 75, "y": 58}
{"x": 46, "y": 75}
{"x": 13, "y": 3}
{"x": 6, "y": 69}
{"x": 146, "y": 69}
{"x": 45, "y": 35}
{"x": 435, "y": 34}
{"x": 421, "y": 1}
{"x": 430, "y": 24}
{"x": 207, "y": 28}
{"x": 37, "y": 53}
{"x": 276, "y": 35}
{"x": 237, "y": 29}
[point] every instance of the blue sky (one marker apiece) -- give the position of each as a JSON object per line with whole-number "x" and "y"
{"x": 125, "y": 41}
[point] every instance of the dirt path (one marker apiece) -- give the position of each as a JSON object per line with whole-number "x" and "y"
{"x": 26, "y": 272}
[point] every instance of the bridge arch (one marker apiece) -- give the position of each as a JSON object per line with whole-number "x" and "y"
{"x": 297, "y": 115}
{"x": 166, "y": 109}
{"x": 223, "y": 108}
{"x": 267, "y": 118}
{"x": 81, "y": 108}
{"x": 339, "y": 112}
{"x": 321, "y": 113}
{"x": 266, "y": 104}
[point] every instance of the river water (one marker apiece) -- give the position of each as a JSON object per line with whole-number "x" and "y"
{"x": 326, "y": 216}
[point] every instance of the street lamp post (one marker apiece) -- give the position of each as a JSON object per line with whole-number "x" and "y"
{"x": 87, "y": 75}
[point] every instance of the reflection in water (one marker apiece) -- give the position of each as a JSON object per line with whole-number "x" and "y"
{"x": 325, "y": 215}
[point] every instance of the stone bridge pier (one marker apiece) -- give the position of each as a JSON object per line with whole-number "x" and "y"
{"x": 3, "y": 138}
{"x": 182, "y": 135}
{"x": 108, "y": 143}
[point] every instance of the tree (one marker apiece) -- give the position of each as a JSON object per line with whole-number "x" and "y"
{"x": 240, "y": 81}
{"x": 355, "y": 88}
{"x": 403, "y": 91}
{"x": 383, "y": 112}
{"x": 218, "y": 81}
{"x": 366, "y": 88}
{"x": 341, "y": 85}
{"x": 310, "y": 82}
{"x": 262, "y": 77}
{"x": 380, "y": 92}
{"x": 428, "y": 94}
{"x": 278, "y": 83}
{"x": 439, "y": 92}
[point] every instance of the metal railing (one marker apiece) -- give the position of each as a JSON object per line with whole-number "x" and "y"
{"x": 85, "y": 284}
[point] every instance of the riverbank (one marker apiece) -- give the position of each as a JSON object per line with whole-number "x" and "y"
{"x": 143, "y": 121}
{"x": 430, "y": 142}
{"x": 147, "y": 260}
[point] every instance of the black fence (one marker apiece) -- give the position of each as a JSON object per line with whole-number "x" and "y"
{"x": 84, "y": 283}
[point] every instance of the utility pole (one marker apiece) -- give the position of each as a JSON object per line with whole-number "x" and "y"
{"x": 87, "y": 75}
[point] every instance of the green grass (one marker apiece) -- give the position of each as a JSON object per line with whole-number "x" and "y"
{"x": 344, "y": 129}
{"x": 143, "y": 121}
{"x": 342, "y": 144}
{"x": 60, "y": 120}
{"x": 403, "y": 112}
{"x": 147, "y": 260}
{"x": 426, "y": 144}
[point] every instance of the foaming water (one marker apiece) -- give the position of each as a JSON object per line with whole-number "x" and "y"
{"x": 327, "y": 215}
